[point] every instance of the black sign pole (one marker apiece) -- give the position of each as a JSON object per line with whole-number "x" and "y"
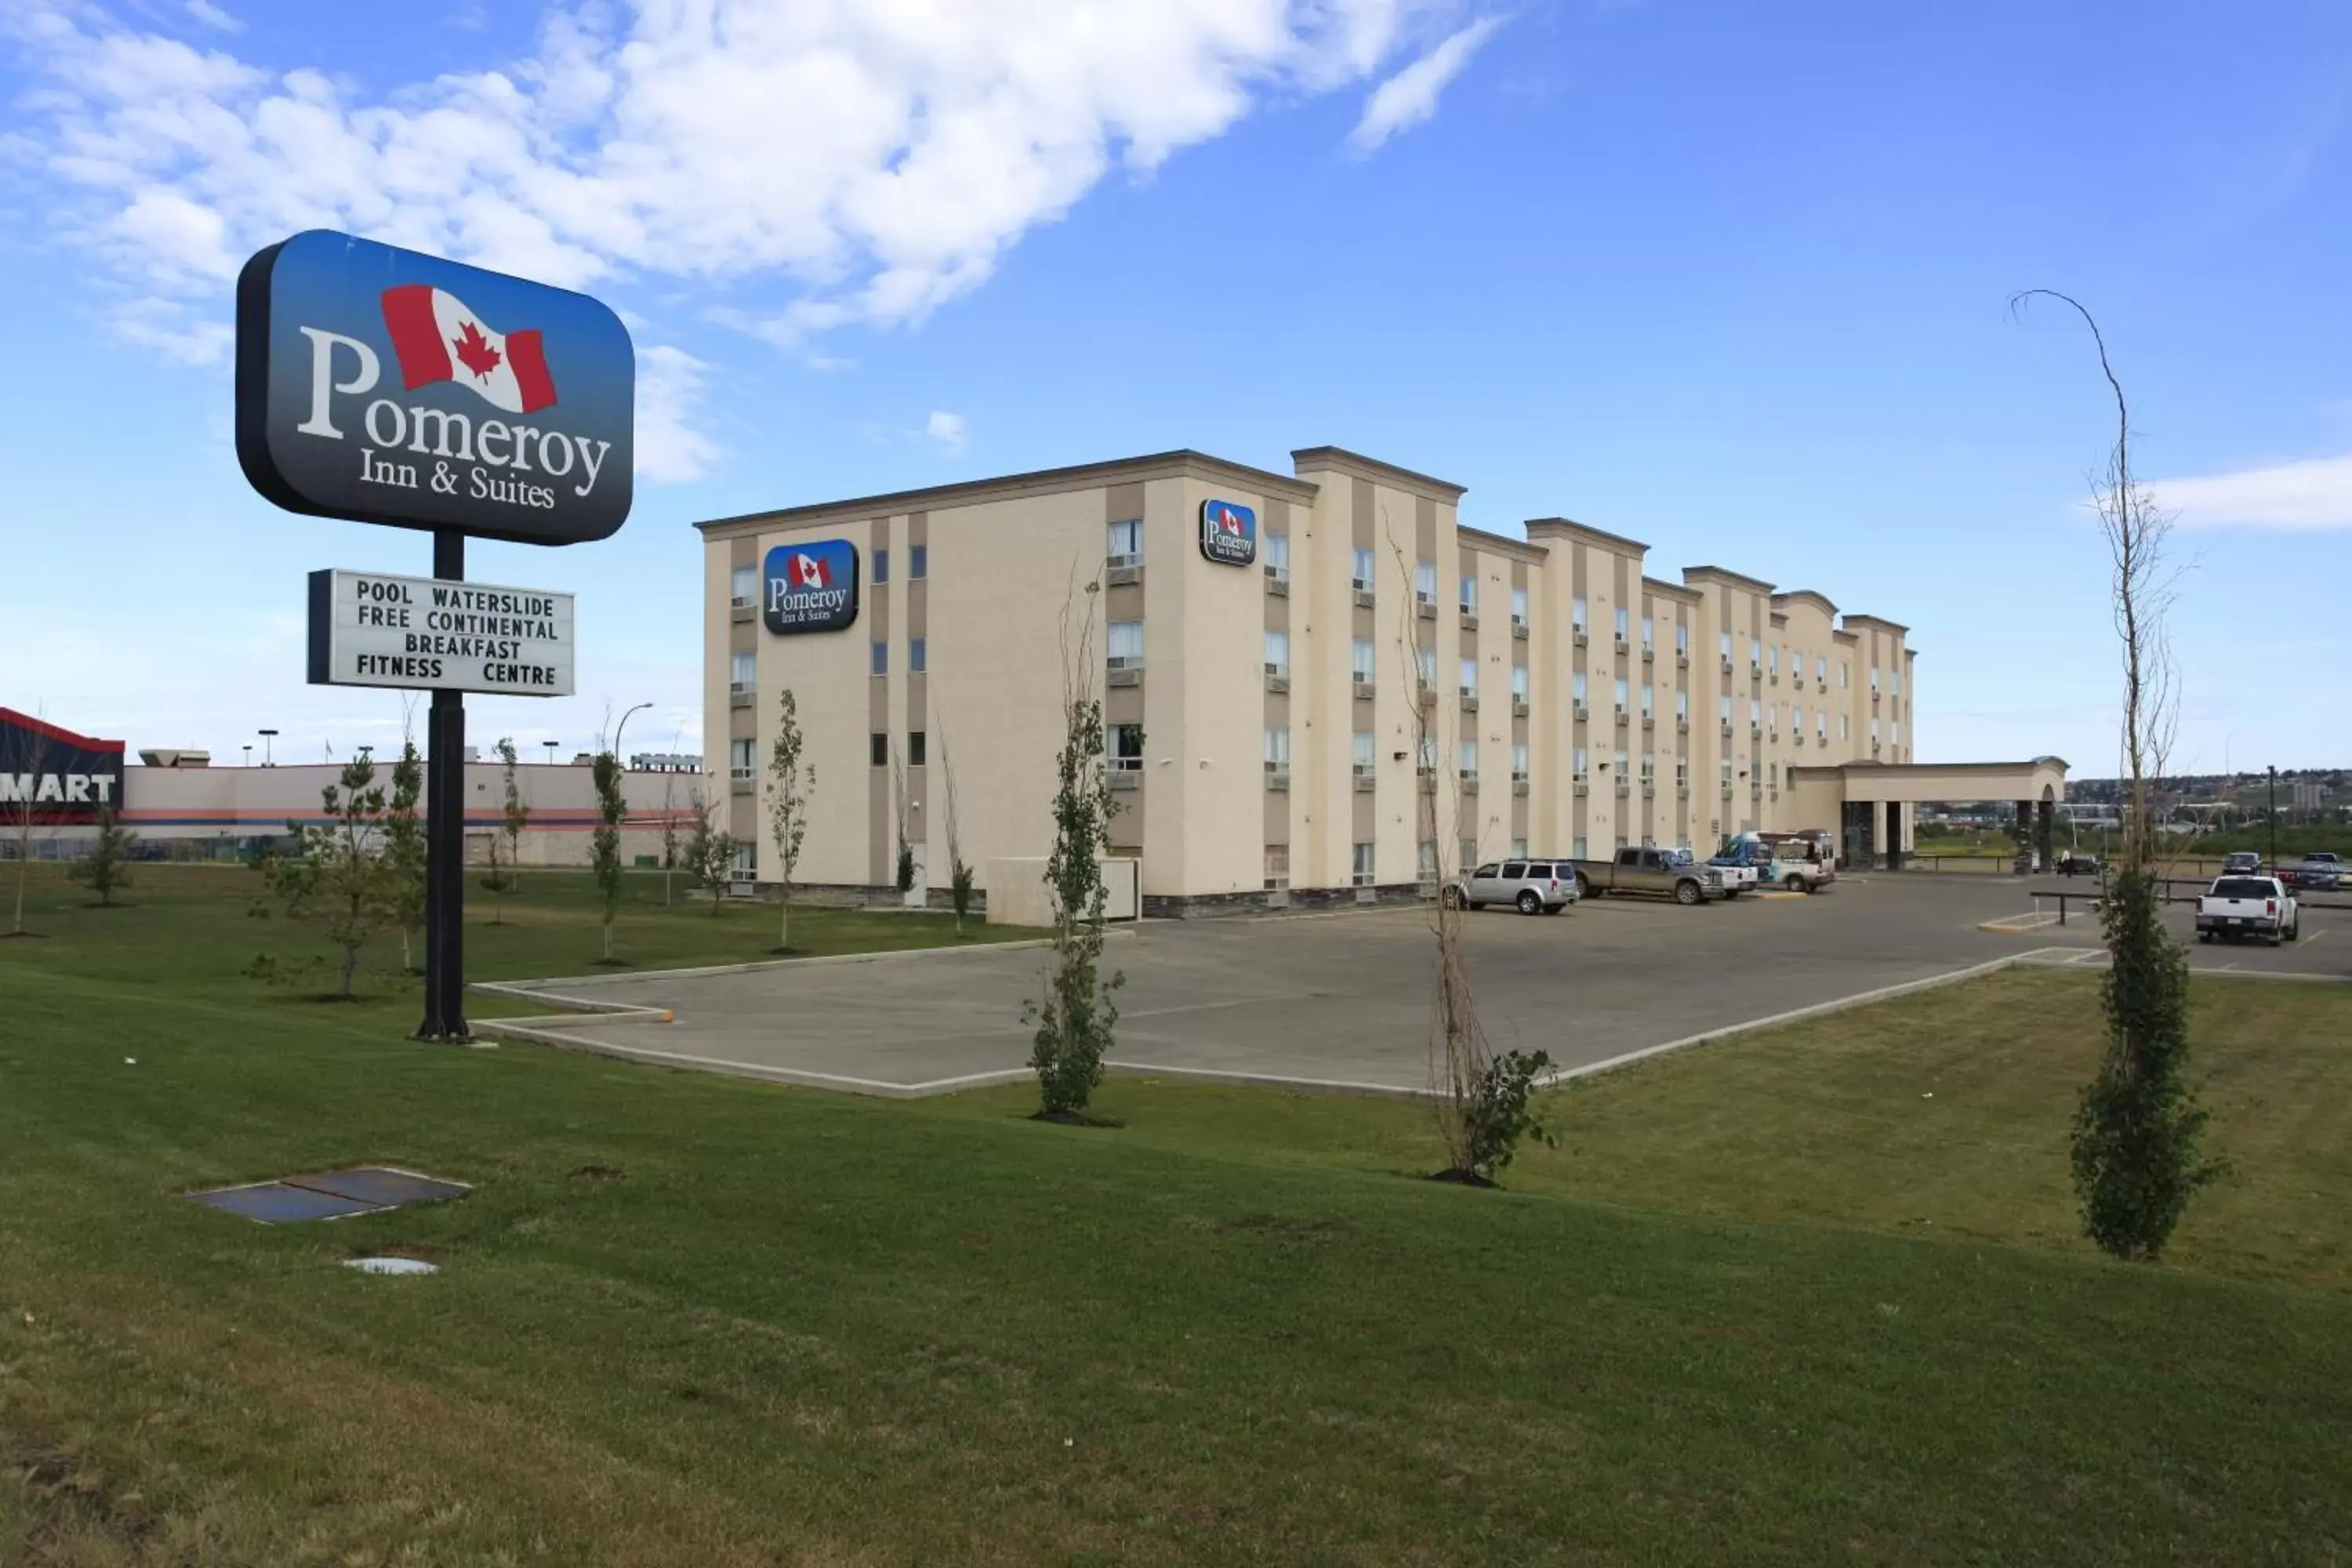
{"x": 445, "y": 836}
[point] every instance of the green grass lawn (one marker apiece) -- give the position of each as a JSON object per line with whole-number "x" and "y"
{"x": 697, "y": 1321}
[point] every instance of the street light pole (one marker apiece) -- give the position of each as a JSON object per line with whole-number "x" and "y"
{"x": 267, "y": 736}
{"x": 623, "y": 725}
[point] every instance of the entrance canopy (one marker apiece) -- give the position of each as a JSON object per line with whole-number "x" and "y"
{"x": 2041, "y": 779}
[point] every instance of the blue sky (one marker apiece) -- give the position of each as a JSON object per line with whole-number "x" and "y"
{"x": 1728, "y": 279}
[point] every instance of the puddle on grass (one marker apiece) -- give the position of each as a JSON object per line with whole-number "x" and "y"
{"x": 392, "y": 1266}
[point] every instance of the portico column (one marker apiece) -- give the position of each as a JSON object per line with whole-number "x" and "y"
{"x": 2045, "y": 830}
{"x": 1895, "y": 835}
{"x": 2024, "y": 836}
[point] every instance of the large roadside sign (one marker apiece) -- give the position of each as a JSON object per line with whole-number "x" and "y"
{"x": 384, "y": 385}
{"x": 369, "y": 629}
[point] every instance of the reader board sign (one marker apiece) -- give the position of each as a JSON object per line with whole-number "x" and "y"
{"x": 810, "y": 587}
{"x": 370, "y": 628}
{"x": 385, "y": 386}
{"x": 1228, "y": 532}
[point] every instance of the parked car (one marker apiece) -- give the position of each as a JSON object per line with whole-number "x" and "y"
{"x": 2320, "y": 872}
{"x": 2236, "y": 907}
{"x": 1745, "y": 863}
{"x": 1802, "y": 863}
{"x": 2242, "y": 863}
{"x": 1675, "y": 874}
{"x": 1532, "y": 886}
{"x": 2076, "y": 863}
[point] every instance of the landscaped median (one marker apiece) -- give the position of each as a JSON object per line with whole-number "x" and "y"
{"x": 1804, "y": 1294}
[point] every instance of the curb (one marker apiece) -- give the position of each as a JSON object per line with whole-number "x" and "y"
{"x": 523, "y": 987}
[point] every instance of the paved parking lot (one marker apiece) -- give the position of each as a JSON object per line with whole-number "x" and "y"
{"x": 1343, "y": 999}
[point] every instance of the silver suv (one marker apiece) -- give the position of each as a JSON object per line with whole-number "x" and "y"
{"x": 1532, "y": 886}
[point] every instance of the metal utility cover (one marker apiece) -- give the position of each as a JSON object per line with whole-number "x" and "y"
{"x": 380, "y": 1186}
{"x": 277, "y": 1202}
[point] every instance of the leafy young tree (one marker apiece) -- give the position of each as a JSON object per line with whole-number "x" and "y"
{"x": 604, "y": 843}
{"x": 1076, "y": 1019}
{"x": 789, "y": 783}
{"x": 669, "y": 839}
{"x": 513, "y": 818}
{"x": 405, "y": 847}
{"x": 2135, "y": 1154}
{"x": 341, "y": 870}
{"x": 958, "y": 874}
{"x": 709, "y": 852}
{"x": 107, "y": 867}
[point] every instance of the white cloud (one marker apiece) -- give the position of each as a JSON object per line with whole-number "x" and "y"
{"x": 211, "y": 15}
{"x": 948, "y": 430}
{"x": 669, "y": 386}
{"x": 2313, "y": 495}
{"x": 879, "y": 157}
{"x": 1410, "y": 97}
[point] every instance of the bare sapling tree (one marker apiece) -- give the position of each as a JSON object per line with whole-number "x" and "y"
{"x": 1482, "y": 1102}
{"x": 604, "y": 843}
{"x": 23, "y": 765}
{"x": 789, "y": 783}
{"x": 958, "y": 874}
{"x": 1077, "y": 1019}
{"x": 2136, "y": 1124}
{"x": 405, "y": 847}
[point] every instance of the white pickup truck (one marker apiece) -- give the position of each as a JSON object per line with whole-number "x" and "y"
{"x": 2236, "y": 907}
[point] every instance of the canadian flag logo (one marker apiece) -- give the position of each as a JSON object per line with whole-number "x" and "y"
{"x": 438, "y": 338}
{"x": 1228, "y": 520}
{"x": 810, "y": 572}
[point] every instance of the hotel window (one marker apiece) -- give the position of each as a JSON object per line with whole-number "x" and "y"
{"x": 1125, "y": 643}
{"x": 1726, "y": 713}
{"x": 881, "y": 565}
{"x": 878, "y": 750}
{"x": 1469, "y": 759}
{"x": 1797, "y": 726}
{"x": 917, "y": 744}
{"x": 1576, "y": 688}
{"x": 1894, "y": 683}
{"x": 1127, "y": 748}
{"x": 1578, "y": 849}
{"x": 1621, "y": 692}
{"x": 1649, "y": 766}
{"x": 1469, "y": 854}
{"x": 743, "y": 671}
{"x": 1125, "y": 543}
{"x": 878, "y": 660}
{"x": 747, "y": 861}
{"x": 1363, "y": 575}
{"x": 1277, "y": 653}
{"x": 1821, "y": 725}
{"x": 1469, "y": 677}
{"x": 1682, "y": 773}
{"x": 1755, "y": 714}
{"x": 1429, "y": 753}
{"x": 1577, "y": 760}
{"x": 1624, "y": 769}
{"x": 1726, "y": 650}
{"x": 1426, "y": 659}
{"x": 1576, "y": 621}
{"x": 1845, "y": 674}
{"x": 1359, "y": 870}
{"x": 1278, "y": 866}
{"x": 1518, "y": 764}
{"x": 1873, "y": 732}
{"x": 743, "y": 586}
{"x": 918, "y": 563}
{"x": 1772, "y": 774}
{"x": 1469, "y": 596}
{"x": 1424, "y": 582}
{"x": 1649, "y": 701}
{"x": 1277, "y": 557}
{"x": 1520, "y": 683}
{"x": 1682, "y": 639}
{"x": 1277, "y": 748}
{"x": 1649, "y": 634}
{"x": 1681, "y": 707}
{"x": 1822, "y": 670}
{"x": 1772, "y": 661}
{"x": 1361, "y": 753}
{"x": 739, "y": 757}
{"x": 1873, "y": 681}
{"x": 918, "y": 655}
{"x": 1518, "y": 850}
{"x": 1360, "y": 658}
{"x": 1518, "y": 606}
{"x": 1426, "y": 858}
{"x": 1620, "y": 624}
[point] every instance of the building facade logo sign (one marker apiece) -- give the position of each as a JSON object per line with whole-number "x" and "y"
{"x": 1228, "y": 532}
{"x": 384, "y": 385}
{"x": 810, "y": 587}
{"x": 57, "y": 776}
